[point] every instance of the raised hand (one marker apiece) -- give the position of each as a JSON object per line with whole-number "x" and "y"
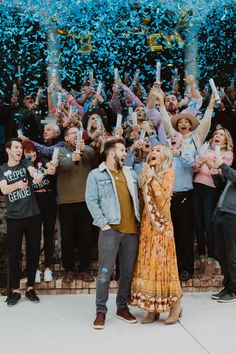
{"x": 80, "y": 146}
{"x": 212, "y": 101}
{"x": 76, "y": 156}
{"x": 147, "y": 170}
{"x": 189, "y": 79}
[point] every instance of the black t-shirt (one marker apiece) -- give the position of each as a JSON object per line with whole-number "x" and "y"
{"x": 22, "y": 202}
{"x": 49, "y": 181}
{"x": 47, "y": 184}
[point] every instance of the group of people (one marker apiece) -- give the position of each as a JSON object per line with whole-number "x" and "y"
{"x": 148, "y": 174}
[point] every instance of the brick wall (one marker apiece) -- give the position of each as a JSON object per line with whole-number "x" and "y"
{"x": 80, "y": 287}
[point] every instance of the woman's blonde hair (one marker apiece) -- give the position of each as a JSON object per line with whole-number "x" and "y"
{"x": 229, "y": 141}
{"x": 90, "y": 129}
{"x": 165, "y": 163}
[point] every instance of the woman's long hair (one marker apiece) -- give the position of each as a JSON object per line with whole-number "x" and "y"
{"x": 229, "y": 141}
{"x": 91, "y": 130}
{"x": 165, "y": 164}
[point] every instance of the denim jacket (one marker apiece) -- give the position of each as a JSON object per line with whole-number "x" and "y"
{"x": 101, "y": 195}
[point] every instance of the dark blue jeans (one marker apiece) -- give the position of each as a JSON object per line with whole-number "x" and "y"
{"x": 110, "y": 244}
{"x": 204, "y": 203}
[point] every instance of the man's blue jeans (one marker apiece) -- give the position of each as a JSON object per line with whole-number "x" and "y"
{"x": 110, "y": 243}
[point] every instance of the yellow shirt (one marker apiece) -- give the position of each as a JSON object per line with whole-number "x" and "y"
{"x": 128, "y": 223}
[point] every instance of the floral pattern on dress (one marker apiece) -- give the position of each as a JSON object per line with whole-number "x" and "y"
{"x": 156, "y": 285}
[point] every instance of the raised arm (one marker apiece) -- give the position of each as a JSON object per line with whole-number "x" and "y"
{"x": 190, "y": 80}
{"x": 71, "y": 101}
{"x": 51, "y": 107}
{"x": 115, "y": 103}
{"x": 131, "y": 96}
{"x": 152, "y": 114}
{"x": 195, "y": 102}
{"x": 203, "y": 129}
{"x": 47, "y": 151}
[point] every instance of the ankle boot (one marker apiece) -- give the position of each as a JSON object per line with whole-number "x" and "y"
{"x": 151, "y": 317}
{"x": 209, "y": 270}
{"x": 175, "y": 313}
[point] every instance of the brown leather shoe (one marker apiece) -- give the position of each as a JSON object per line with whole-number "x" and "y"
{"x": 99, "y": 322}
{"x": 68, "y": 277}
{"x": 86, "y": 276}
{"x": 125, "y": 315}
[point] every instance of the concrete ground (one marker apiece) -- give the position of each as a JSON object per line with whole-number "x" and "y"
{"x": 62, "y": 324}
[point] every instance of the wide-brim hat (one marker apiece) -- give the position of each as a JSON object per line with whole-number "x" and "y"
{"x": 193, "y": 120}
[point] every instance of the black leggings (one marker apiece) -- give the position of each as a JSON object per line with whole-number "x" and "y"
{"x": 48, "y": 211}
{"x": 16, "y": 228}
{"x": 182, "y": 218}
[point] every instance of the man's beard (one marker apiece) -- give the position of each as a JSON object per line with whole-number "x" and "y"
{"x": 118, "y": 163}
{"x": 172, "y": 109}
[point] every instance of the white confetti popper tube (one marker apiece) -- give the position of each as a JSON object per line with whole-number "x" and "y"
{"x": 98, "y": 123}
{"x": 214, "y": 89}
{"x": 158, "y": 72}
{"x": 99, "y": 89}
{"x": 118, "y": 120}
{"x": 79, "y": 138}
{"x": 134, "y": 118}
{"x": 142, "y": 135}
{"x": 37, "y": 96}
{"x": 116, "y": 74}
{"x": 91, "y": 77}
{"x": 55, "y": 155}
{"x": 217, "y": 151}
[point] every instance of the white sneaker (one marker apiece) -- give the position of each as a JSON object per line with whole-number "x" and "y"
{"x": 38, "y": 276}
{"x": 47, "y": 275}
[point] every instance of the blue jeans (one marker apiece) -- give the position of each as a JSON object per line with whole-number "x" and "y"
{"x": 204, "y": 203}
{"x": 110, "y": 243}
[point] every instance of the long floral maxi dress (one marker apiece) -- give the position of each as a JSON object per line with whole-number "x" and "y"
{"x": 155, "y": 285}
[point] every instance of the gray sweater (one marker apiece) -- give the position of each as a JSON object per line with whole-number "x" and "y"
{"x": 227, "y": 201}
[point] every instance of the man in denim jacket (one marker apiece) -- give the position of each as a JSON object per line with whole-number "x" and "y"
{"x": 112, "y": 199}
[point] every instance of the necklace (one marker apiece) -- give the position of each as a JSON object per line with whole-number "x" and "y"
{"x": 116, "y": 176}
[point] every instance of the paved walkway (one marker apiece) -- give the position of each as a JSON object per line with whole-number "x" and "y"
{"x": 62, "y": 325}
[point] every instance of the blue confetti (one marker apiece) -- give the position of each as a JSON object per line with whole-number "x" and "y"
{"x": 105, "y": 33}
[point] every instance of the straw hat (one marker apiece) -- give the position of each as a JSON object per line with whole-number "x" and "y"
{"x": 193, "y": 120}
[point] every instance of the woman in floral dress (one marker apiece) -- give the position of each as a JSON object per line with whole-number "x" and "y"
{"x": 155, "y": 286}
